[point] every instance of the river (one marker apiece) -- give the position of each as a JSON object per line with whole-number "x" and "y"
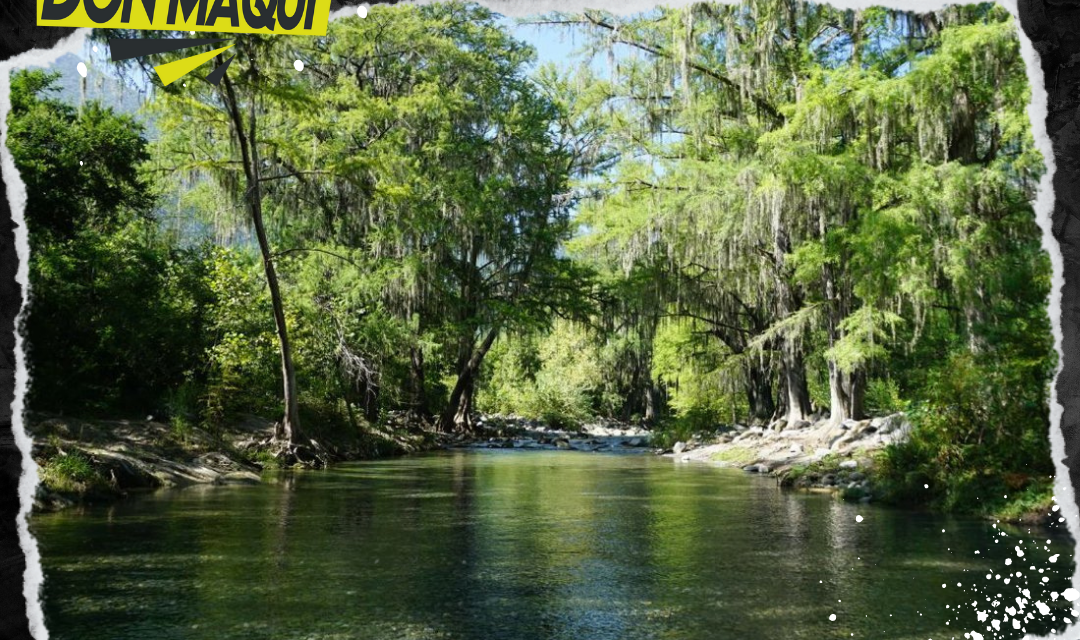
{"x": 514, "y": 545}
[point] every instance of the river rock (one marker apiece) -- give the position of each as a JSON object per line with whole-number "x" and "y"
{"x": 679, "y": 447}
{"x": 756, "y": 468}
{"x": 849, "y": 464}
{"x": 562, "y": 443}
{"x": 856, "y": 477}
{"x": 127, "y": 474}
{"x": 239, "y": 477}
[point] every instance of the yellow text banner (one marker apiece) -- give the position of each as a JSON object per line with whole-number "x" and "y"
{"x": 291, "y": 17}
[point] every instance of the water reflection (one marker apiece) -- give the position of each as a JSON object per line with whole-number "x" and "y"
{"x": 507, "y": 546}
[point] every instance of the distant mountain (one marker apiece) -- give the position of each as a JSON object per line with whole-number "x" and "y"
{"x": 101, "y": 84}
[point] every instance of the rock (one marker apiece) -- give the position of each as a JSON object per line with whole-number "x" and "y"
{"x": 897, "y": 422}
{"x": 633, "y": 442}
{"x": 124, "y": 474}
{"x": 857, "y": 477}
{"x": 756, "y": 468}
{"x": 849, "y": 424}
{"x": 777, "y": 425}
{"x": 795, "y": 449}
{"x": 239, "y": 477}
{"x": 686, "y": 458}
{"x": 679, "y": 447}
{"x": 849, "y": 464}
{"x": 829, "y": 480}
{"x": 562, "y": 443}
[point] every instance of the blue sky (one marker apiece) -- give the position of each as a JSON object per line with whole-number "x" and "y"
{"x": 552, "y": 44}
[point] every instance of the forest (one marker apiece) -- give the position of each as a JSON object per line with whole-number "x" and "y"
{"x": 769, "y": 213}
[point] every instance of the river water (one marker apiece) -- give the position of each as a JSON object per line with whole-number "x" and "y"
{"x": 514, "y": 545}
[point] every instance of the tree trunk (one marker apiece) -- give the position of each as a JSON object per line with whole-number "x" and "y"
{"x": 289, "y": 427}
{"x": 458, "y": 413}
{"x": 847, "y": 393}
{"x": 759, "y": 395}
{"x": 652, "y": 400}
{"x": 797, "y": 392}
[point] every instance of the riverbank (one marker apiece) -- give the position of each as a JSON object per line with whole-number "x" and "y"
{"x": 840, "y": 459}
{"x": 87, "y": 461}
{"x": 82, "y": 461}
{"x": 91, "y": 461}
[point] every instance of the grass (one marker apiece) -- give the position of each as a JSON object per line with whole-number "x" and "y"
{"x": 1033, "y": 502}
{"x": 736, "y": 455}
{"x": 264, "y": 459}
{"x": 72, "y": 473}
{"x": 829, "y": 463}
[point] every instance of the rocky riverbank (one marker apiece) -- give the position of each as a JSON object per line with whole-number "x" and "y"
{"x": 819, "y": 456}
{"x": 85, "y": 461}
{"x": 839, "y": 459}
{"x": 512, "y": 432}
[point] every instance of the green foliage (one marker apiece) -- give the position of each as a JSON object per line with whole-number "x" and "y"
{"x": 552, "y": 378}
{"x": 115, "y": 316}
{"x": 72, "y": 473}
{"x": 981, "y": 435}
{"x": 883, "y": 397}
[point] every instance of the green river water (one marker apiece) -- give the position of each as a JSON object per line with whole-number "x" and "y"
{"x": 514, "y": 545}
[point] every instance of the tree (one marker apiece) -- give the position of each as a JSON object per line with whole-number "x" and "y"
{"x": 227, "y": 121}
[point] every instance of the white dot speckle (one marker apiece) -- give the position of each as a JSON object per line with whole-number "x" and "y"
{"x": 832, "y": 617}
{"x": 81, "y": 67}
{"x": 1070, "y": 594}
{"x": 858, "y": 518}
{"x": 298, "y": 65}
{"x": 362, "y": 11}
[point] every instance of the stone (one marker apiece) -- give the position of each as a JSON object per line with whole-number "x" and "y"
{"x": 856, "y": 477}
{"x": 849, "y": 464}
{"x": 563, "y": 443}
{"x": 679, "y": 447}
{"x": 239, "y": 477}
